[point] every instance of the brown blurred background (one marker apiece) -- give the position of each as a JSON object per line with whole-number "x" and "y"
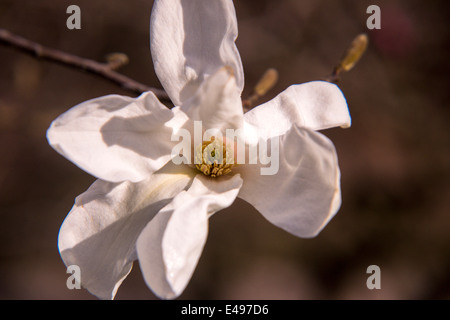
{"x": 395, "y": 159}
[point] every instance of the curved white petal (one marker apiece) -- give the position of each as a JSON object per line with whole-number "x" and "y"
{"x": 217, "y": 102}
{"x": 315, "y": 105}
{"x": 171, "y": 244}
{"x": 190, "y": 40}
{"x": 305, "y": 192}
{"x": 100, "y": 232}
{"x": 117, "y": 138}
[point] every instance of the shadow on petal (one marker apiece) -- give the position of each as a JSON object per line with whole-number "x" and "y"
{"x": 145, "y": 135}
{"x": 307, "y": 193}
{"x": 106, "y": 258}
{"x": 100, "y": 232}
{"x": 203, "y": 42}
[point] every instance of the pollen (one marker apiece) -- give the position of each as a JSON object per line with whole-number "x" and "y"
{"x": 214, "y": 158}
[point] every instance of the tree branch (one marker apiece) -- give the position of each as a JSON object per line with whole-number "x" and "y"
{"x": 106, "y": 70}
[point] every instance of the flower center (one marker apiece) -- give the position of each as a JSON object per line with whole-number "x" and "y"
{"x": 214, "y": 158}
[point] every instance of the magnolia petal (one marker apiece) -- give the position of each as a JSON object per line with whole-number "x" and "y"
{"x": 117, "y": 138}
{"x": 100, "y": 232}
{"x": 315, "y": 105}
{"x": 307, "y": 193}
{"x": 217, "y": 102}
{"x": 190, "y": 40}
{"x": 171, "y": 244}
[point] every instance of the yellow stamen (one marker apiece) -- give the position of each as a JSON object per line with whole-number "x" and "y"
{"x": 214, "y": 158}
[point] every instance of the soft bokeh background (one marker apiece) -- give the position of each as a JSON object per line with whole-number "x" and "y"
{"x": 395, "y": 159}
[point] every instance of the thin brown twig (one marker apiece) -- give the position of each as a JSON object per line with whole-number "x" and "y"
{"x": 105, "y": 70}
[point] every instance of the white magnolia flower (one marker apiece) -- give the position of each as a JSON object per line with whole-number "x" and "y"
{"x": 143, "y": 206}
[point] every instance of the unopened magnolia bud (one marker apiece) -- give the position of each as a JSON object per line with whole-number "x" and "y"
{"x": 116, "y": 60}
{"x": 353, "y": 53}
{"x": 267, "y": 82}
